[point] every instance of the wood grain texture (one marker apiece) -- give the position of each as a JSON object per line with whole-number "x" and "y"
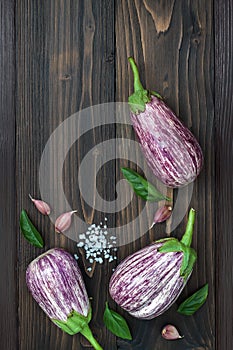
{"x": 224, "y": 160}
{"x": 58, "y": 57}
{"x": 8, "y": 292}
{"x": 64, "y": 50}
{"x": 173, "y": 45}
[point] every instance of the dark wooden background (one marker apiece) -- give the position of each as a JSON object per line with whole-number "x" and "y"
{"x": 57, "y": 57}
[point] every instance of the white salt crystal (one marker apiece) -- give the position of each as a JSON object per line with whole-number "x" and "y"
{"x": 92, "y": 238}
{"x": 98, "y": 245}
{"x": 76, "y": 256}
{"x": 80, "y": 244}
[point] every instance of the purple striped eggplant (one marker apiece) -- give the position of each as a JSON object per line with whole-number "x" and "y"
{"x": 171, "y": 150}
{"x": 149, "y": 281}
{"x": 55, "y": 282}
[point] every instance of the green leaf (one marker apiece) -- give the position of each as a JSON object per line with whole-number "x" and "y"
{"x": 142, "y": 187}
{"x": 116, "y": 324}
{"x": 137, "y": 101}
{"x": 154, "y": 93}
{"x": 165, "y": 239}
{"x": 189, "y": 258}
{"x": 189, "y": 255}
{"x": 29, "y": 231}
{"x": 194, "y": 302}
{"x": 185, "y": 260}
{"x": 172, "y": 245}
{"x": 75, "y": 322}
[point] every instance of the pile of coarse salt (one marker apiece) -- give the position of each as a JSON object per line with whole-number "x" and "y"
{"x": 97, "y": 244}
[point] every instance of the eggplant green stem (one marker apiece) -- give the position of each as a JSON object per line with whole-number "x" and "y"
{"x": 137, "y": 82}
{"x": 188, "y": 235}
{"x": 87, "y": 333}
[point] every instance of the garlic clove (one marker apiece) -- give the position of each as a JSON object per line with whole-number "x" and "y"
{"x": 162, "y": 214}
{"x": 170, "y": 332}
{"x": 63, "y": 222}
{"x": 42, "y": 206}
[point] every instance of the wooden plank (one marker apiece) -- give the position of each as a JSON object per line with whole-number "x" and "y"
{"x": 223, "y": 19}
{"x": 8, "y": 295}
{"x": 65, "y": 63}
{"x": 172, "y": 42}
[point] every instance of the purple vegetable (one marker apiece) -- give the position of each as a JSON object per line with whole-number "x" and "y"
{"x": 149, "y": 281}
{"x": 55, "y": 282}
{"x": 171, "y": 150}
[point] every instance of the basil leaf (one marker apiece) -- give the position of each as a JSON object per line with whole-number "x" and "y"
{"x": 116, "y": 324}
{"x": 29, "y": 231}
{"x": 194, "y": 302}
{"x": 142, "y": 187}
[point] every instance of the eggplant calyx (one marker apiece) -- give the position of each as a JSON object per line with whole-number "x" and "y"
{"x": 156, "y": 94}
{"x": 74, "y": 323}
{"x": 77, "y": 323}
{"x": 137, "y": 101}
{"x": 189, "y": 254}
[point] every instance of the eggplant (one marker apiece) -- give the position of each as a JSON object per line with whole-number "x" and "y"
{"x": 171, "y": 150}
{"x": 149, "y": 281}
{"x": 56, "y": 283}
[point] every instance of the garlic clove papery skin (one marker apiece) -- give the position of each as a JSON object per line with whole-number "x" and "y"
{"x": 162, "y": 214}
{"x": 41, "y": 206}
{"x": 63, "y": 222}
{"x": 169, "y": 332}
